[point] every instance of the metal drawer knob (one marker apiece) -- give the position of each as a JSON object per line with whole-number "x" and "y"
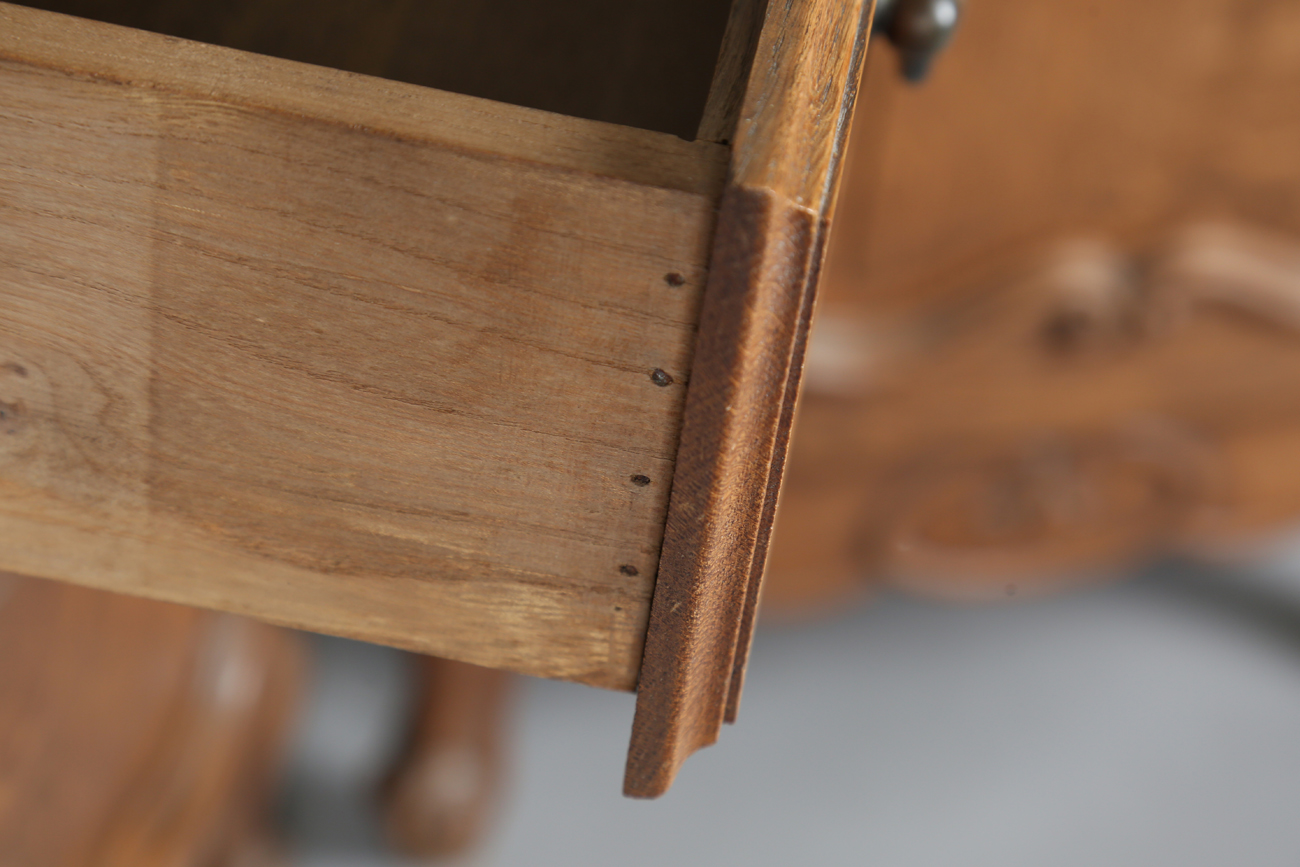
{"x": 920, "y": 29}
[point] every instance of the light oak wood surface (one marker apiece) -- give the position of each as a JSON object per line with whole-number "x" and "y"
{"x": 345, "y": 354}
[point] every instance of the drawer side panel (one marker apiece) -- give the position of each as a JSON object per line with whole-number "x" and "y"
{"x": 335, "y": 378}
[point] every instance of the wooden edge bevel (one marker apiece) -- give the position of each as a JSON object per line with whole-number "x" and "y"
{"x": 776, "y": 473}
{"x": 795, "y": 372}
{"x": 745, "y": 376}
{"x": 731, "y": 75}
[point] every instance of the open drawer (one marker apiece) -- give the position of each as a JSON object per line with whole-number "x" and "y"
{"x": 374, "y": 359}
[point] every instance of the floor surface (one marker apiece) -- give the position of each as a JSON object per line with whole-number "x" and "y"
{"x": 1147, "y": 723}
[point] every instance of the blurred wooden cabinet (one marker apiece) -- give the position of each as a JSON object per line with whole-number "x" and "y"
{"x": 136, "y": 733}
{"x": 1060, "y": 317}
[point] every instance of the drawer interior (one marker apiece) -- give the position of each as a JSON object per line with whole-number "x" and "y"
{"x": 641, "y": 63}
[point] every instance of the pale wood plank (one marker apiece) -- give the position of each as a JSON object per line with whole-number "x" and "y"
{"x": 643, "y": 63}
{"x": 149, "y": 60}
{"x": 380, "y": 382}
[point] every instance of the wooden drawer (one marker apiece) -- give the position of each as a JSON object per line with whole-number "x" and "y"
{"x": 422, "y": 368}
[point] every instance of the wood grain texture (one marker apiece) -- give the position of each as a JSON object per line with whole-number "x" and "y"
{"x": 800, "y": 98}
{"x": 731, "y": 75}
{"x": 340, "y": 353}
{"x": 744, "y": 380}
{"x": 388, "y": 108}
{"x": 643, "y": 63}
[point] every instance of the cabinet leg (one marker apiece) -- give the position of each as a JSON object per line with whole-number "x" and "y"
{"x": 443, "y": 789}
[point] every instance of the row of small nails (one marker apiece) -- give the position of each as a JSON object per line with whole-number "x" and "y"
{"x": 663, "y": 379}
